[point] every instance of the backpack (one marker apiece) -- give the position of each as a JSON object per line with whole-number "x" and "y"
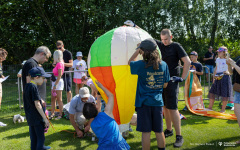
{"x": 66, "y": 111}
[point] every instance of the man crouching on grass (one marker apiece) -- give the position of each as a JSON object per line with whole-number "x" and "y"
{"x": 77, "y": 119}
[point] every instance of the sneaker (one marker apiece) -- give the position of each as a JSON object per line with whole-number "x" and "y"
{"x": 179, "y": 141}
{"x": 168, "y": 133}
{"x": 185, "y": 108}
{"x": 125, "y": 134}
{"x": 46, "y": 147}
{"x": 59, "y": 117}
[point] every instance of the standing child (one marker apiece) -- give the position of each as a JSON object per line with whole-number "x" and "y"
{"x": 196, "y": 68}
{"x": 103, "y": 124}
{"x": 3, "y": 55}
{"x": 79, "y": 66}
{"x": 153, "y": 76}
{"x": 222, "y": 86}
{"x": 33, "y": 107}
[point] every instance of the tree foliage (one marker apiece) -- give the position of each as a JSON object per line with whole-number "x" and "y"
{"x": 196, "y": 24}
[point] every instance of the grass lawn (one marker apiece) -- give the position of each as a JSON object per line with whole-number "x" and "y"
{"x": 200, "y": 133}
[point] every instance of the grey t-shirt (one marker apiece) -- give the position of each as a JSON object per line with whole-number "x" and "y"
{"x": 42, "y": 91}
{"x": 76, "y": 104}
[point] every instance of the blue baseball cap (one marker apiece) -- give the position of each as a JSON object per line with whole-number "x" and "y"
{"x": 38, "y": 71}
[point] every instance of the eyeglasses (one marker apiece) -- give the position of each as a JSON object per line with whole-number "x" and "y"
{"x": 46, "y": 55}
{"x": 59, "y": 47}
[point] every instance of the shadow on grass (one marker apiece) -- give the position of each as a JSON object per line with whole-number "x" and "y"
{"x": 194, "y": 119}
{"x": 68, "y": 139}
{"x": 17, "y": 136}
{"x": 138, "y": 145}
{"x": 219, "y": 144}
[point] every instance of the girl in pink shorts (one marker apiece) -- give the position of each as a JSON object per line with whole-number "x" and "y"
{"x": 79, "y": 65}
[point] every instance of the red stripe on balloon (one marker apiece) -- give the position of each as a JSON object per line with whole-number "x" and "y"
{"x": 104, "y": 75}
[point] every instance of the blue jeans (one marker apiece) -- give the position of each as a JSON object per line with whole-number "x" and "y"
{"x": 67, "y": 82}
{"x": 37, "y": 137}
{"x": 237, "y": 97}
{"x": 210, "y": 67}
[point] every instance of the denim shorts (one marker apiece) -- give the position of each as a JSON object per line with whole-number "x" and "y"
{"x": 237, "y": 97}
{"x": 210, "y": 67}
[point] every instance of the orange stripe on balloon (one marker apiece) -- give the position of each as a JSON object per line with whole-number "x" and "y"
{"x": 104, "y": 75}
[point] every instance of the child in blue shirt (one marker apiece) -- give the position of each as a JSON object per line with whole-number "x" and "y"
{"x": 103, "y": 124}
{"x": 153, "y": 76}
{"x": 33, "y": 107}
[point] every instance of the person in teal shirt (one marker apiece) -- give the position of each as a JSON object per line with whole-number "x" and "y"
{"x": 153, "y": 76}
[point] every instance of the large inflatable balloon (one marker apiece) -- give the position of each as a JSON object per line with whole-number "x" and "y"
{"x": 108, "y": 63}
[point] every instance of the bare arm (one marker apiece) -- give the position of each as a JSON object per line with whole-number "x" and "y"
{"x": 204, "y": 59}
{"x": 134, "y": 56}
{"x": 109, "y": 107}
{"x": 186, "y": 66}
{"x": 40, "y": 110}
{"x": 214, "y": 72}
{"x": 199, "y": 73}
{"x": 165, "y": 85}
{"x": 230, "y": 70}
{"x": 233, "y": 64}
{"x": 87, "y": 128}
{"x": 99, "y": 104}
{"x": 70, "y": 64}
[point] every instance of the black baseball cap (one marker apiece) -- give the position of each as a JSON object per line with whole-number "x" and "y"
{"x": 148, "y": 44}
{"x": 38, "y": 71}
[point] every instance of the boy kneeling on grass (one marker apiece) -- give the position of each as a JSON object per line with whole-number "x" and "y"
{"x": 103, "y": 124}
{"x": 33, "y": 106}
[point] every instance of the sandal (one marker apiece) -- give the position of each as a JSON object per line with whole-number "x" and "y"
{"x": 51, "y": 117}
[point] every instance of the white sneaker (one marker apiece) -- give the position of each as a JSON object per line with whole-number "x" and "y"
{"x": 2, "y": 124}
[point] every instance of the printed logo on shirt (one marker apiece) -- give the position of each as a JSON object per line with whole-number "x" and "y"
{"x": 192, "y": 67}
{"x": 154, "y": 82}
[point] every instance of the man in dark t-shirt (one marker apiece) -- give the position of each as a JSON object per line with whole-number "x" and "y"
{"x": 172, "y": 52}
{"x": 209, "y": 59}
{"x": 41, "y": 55}
{"x": 68, "y": 63}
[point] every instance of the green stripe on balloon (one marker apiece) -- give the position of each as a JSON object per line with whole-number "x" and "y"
{"x": 101, "y": 57}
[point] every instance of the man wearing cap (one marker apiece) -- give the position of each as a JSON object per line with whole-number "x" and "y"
{"x": 76, "y": 111}
{"x": 79, "y": 65}
{"x": 68, "y": 63}
{"x": 209, "y": 59}
{"x": 41, "y": 55}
